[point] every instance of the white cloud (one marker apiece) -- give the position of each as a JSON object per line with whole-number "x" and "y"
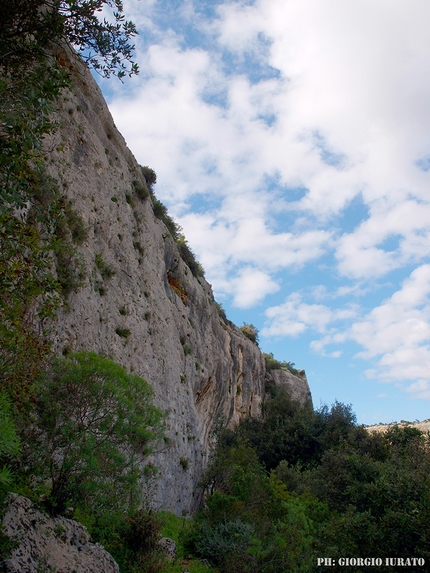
{"x": 261, "y": 171}
{"x": 359, "y": 82}
{"x": 419, "y": 390}
{"x": 294, "y": 317}
{"x": 407, "y": 221}
{"x": 250, "y": 286}
{"x": 395, "y": 334}
{"x": 399, "y": 330}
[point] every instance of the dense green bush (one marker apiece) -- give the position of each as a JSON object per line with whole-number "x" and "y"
{"x": 150, "y": 176}
{"x": 188, "y": 256}
{"x": 273, "y": 364}
{"x": 312, "y": 483}
{"x": 140, "y": 189}
{"x": 250, "y": 522}
{"x": 91, "y": 426}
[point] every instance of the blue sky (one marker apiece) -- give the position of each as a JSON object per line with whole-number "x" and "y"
{"x": 291, "y": 141}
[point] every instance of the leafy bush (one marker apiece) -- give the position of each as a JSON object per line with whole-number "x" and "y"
{"x": 9, "y": 442}
{"x": 251, "y": 523}
{"x": 187, "y": 255}
{"x": 223, "y": 542}
{"x": 331, "y": 484}
{"x": 150, "y": 177}
{"x": 135, "y": 542}
{"x": 27, "y": 34}
{"x": 140, "y": 189}
{"x": 220, "y": 310}
{"x": 91, "y": 426}
{"x": 251, "y": 332}
{"x": 271, "y": 362}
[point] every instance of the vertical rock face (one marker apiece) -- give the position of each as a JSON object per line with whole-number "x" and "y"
{"x": 285, "y": 380}
{"x": 140, "y": 304}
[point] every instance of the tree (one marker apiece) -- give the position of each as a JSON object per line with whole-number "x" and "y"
{"x": 89, "y": 431}
{"x": 30, "y": 29}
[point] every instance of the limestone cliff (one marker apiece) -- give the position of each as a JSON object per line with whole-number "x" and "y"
{"x": 50, "y": 544}
{"x": 139, "y": 302}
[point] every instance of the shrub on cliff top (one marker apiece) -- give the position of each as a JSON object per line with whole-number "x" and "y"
{"x": 251, "y": 332}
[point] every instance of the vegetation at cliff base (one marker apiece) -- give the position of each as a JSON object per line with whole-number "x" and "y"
{"x": 78, "y": 447}
{"x": 297, "y": 484}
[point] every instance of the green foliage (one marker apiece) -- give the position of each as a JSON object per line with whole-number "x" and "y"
{"x": 271, "y": 362}
{"x": 37, "y": 227}
{"x": 251, "y": 332}
{"x": 75, "y": 224}
{"x": 188, "y": 256}
{"x": 150, "y": 177}
{"x": 378, "y": 488}
{"x": 333, "y": 489}
{"x": 107, "y": 271}
{"x": 178, "y": 529}
{"x": 184, "y": 462}
{"x": 221, "y": 310}
{"x": 28, "y": 293}
{"x": 122, "y": 332}
{"x": 133, "y": 541}
{"x": 91, "y": 426}
{"x": 251, "y": 522}
{"x": 29, "y": 28}
{"x": 140, "y": 189}
{"x": 295, "y": 433}
{"x": 160, "y": 211}
{"x": 9, "y": 442}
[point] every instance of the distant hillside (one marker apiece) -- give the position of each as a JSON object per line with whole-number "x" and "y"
{"x": 423, "y": 426}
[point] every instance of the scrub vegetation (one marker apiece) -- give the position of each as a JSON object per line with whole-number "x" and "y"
{"x": 296, "y": 484}
{"x": 175, "y": 230}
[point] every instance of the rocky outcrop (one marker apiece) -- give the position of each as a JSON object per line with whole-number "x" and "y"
{"x": 296, "y": 387}
{"x": 50, "y": 544}
{"x": 140, "y": 304}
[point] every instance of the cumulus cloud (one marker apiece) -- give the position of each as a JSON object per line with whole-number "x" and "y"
{"x": 344, "y": 114}
{"x": 419, "y": 390}
{"x": 265, "y": 121}
{"x": 398, "y": 331}
{"x": 295, "y": 316}
{"x": 250, "y": 286}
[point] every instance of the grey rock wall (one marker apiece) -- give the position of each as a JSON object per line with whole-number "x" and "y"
{"x": 200, "y": 366}
{"x": 296, "y": 387}
{"x": 50, "y": 544}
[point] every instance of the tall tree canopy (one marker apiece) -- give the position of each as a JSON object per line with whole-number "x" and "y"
{"x": 30, "y": 27}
